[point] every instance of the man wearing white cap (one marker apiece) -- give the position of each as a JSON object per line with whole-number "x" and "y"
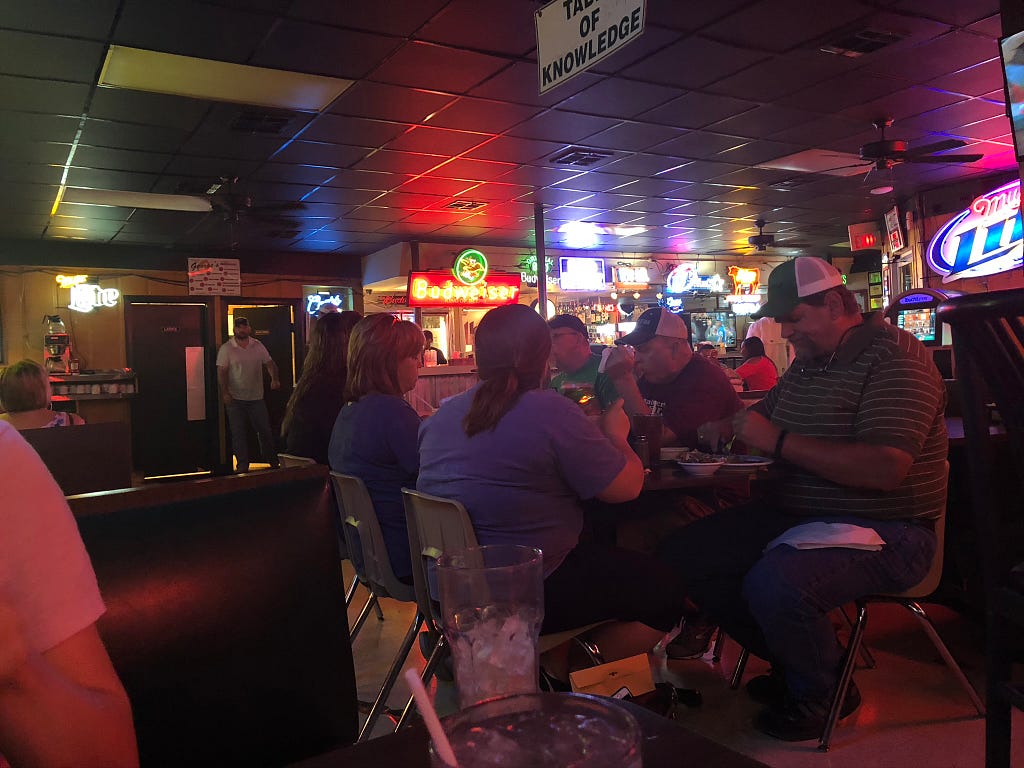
{"x": 857, "y": 425}
{"x": 686, "y": 389}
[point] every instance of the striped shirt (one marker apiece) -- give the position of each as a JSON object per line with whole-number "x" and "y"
{"x": 880, "y": 387}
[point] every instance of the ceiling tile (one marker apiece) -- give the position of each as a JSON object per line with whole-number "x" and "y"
{"x": 320, "y": 153}
{"x": 302, "y": 47}
{"x": 232, "y": 145}
{"x": 309, "y": 175}
{"x": 640, "y": 164}
{"x": 482, "y": 115}
{"x": 476, "y": 170}
{"x": 210, "y": 167}
{"x": 103, "y": 133}
{"x": 838, "y": 93}
{"x": 635, "y": 137}
{"x": 566, "y": 127}
{"x": 120, "y": 180}
{"x": 438, "y": 67}
{"x": 62, "y": 17}
{"x": 593, "y": 181}
{"x": 26, "y": 151}
{"x": 946, "y": 119}
{"x": 783, "y": 75}
{"x": 519, "y": 83}
{"x": 992, "y": 128}
{"x": 956, "y": 13}
{"x": 693, "y": 63}
{"x": 24, "y": 126}
{"x": 120, "y": 159}
{"x": 948, "y": 53}
{"x": 147, "y": 108}
{"x": 505, "y": 27}
{"x": 755, "y": 152}
{"x": 696, "y": 110}
{"x": 819, "y": 131}
{"x": 783, "y": 24}
{"x": 498, "y": 192}
{"x": 39, "y": 176}
{"x": 536, "y": 176}
{"x": 619, "y": 98}
{"x": 59, "y": 58}
{"x": 437, "y": 140}
{"x": 395, "y": 17}
{"x": 763, "y": 121}
{"x": 512, "y": 149}
{"x": 357, "y": 131}
{"x": 431, "y": 185}
{"x": 973, "y": 81}
{"x": 399, "y": 162}
{"x": 388, "y": 102}
{"x": 901, "y": 104}
{"x": 23, "y": 94}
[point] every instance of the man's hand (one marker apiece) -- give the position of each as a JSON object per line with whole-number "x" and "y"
{"x": 227, "y": 398}
{"x": 712, "y": 434}
{"x": 275, "y": 383}
{"x": 615, "y": 423}
{"x": 755, "y": 430}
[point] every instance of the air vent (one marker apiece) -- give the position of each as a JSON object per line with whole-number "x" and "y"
{"x": 262, "y": 121}
{"x": 580, "y": 157}
{"x": 465, "y": 205}
{"x": 788, "y": 185}
{"x": 863, "y": 41}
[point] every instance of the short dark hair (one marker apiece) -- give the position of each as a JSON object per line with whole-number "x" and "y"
{"x": 23, "y": 387}
{"x": 755, "y": 345}
{"x": 571, "y": 322}
{"x": 241, "y": 320}
{"x": 428, "y": 335}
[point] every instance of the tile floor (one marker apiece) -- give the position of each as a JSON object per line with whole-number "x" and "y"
{"x": 914, "y": 712}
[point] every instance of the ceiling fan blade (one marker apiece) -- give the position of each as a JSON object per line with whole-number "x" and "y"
{"x": 118, "y": 198}
{"x": 863, "y": 164}
{"x": 945, "y": 159}
{"x": 274, "y": 207}
{"x": 938, "y": 146}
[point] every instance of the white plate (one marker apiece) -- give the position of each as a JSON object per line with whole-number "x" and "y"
{"x": 701, "y": 468}
{"x": 745, "y": 463}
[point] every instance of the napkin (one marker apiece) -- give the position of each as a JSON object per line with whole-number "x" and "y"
{"x": 820, "y": 535}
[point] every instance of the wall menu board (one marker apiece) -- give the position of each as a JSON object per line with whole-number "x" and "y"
{"x": 214, "y": 277}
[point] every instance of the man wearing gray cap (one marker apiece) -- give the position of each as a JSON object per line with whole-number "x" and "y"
{"x": 856, "y": 425}
{"x": 686, "y": 389}
{"x": 579, "y": 376}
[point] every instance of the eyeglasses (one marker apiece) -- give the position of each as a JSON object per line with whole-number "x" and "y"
{"x": 808, "y": 372}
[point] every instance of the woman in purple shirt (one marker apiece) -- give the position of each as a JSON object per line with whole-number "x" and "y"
{"x": 520, "y": 457}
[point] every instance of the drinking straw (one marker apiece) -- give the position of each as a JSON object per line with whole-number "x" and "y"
{"x": 441, "y": 743}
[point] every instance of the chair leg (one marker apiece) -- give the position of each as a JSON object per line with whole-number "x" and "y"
{"x": 590, "y": 648}
{"x": 350, "y": 593}
{"x": 363, "y": 614}
{"x": 741, "y": 665}
{"x": 440, "y": 648}
{"x": 716, "y": 653}
{"x": 940, "y": 646}
{"x": 392, "y": 675}
{"x": 849, "y": 662}
{"x": 865, "y": 652}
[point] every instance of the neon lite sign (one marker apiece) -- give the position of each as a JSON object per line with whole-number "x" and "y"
{"x": 983, "y": 239}
{"x": 86, "y": 297}
{"x": 528, "y": 270}
{"x": 473, "y": 286}
{"x": 684, "y": 279}
{"x": 315, "y": 301}
{"x": 577, "y": 273}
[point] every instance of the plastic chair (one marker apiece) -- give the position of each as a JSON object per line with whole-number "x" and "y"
{"x": 988, "y": 343}
{"x": 437, "y": 525}
{"x": 290, "y": 460}
{"x": 363, "y": 534}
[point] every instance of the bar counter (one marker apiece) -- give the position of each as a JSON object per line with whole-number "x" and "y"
{"x": 437, "y": 382}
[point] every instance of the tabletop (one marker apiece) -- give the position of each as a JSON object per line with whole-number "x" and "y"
{"x": 669, "y": 477}
{"x": 666, "y": 743}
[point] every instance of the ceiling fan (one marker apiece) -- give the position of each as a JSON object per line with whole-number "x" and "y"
{"x": 884, "y": 154}
{"x": 761, "y": 242}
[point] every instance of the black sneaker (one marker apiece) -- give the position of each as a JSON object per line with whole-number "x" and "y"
{"x": 692, "y": 642}
{"x": 799, "y": 720}
{"x": 769, "y": 689}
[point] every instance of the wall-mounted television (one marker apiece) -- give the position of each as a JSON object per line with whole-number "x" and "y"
{"x": 919, "y": 321}
{"x": 1013, "y": 72}
{"x": 716, "y": 327}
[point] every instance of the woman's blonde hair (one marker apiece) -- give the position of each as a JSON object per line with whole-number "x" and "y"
{"x": 377, "y": 344}
{"x": 24, "y": 386}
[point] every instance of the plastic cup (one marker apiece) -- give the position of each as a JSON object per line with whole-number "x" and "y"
{"x": 543, "y": 729}
{"x": 492, "y": 605}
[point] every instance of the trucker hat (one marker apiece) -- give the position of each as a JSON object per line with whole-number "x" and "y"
{"x": 795, "y": 280}
{"x": 656, "y": 322}
{"x": 571, "y": 322}
{"x": 239, "y": 320}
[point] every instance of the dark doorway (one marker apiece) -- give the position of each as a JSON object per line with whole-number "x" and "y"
{"x": 166, "y": 345}
{"x": 273, "y": 325}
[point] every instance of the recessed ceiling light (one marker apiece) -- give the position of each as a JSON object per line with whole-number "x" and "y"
{"x": 883, "y": 190}
{"x": 156, "y": 72}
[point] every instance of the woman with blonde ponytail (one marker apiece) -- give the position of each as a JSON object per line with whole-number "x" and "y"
{"x": 521, "y": 457}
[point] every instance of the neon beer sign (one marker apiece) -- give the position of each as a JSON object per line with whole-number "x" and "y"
{"x": 437, "y": 289}
{"x": 983, "y": 239}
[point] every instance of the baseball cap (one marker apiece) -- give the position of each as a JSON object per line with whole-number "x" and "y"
{"x": 795, "y": 280}
{"x": 571, "y": 322}
{"x": 656, "y": 322}
{"x": 239, "y": 320}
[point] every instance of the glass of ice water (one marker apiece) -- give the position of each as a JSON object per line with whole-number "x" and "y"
{"x": 543, "y": 729}
{"x": 492, "y": 605}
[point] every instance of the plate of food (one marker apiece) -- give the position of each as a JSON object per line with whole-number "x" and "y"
{"x": 700, "y": 463}
{"x": 672, "y": 453}
{"x": 739, "y": 463}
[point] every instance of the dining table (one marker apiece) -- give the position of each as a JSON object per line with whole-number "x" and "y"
{"x": 665, "y": 743}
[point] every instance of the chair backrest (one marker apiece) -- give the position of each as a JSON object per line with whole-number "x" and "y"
{"x": 87, "y": 457}
{"x": 988, "y": 342}
{"x": 436, "y": 525}
{"x": 364, "y": 539}
{"x": 226, "y": 616}
{"x": 290, "y": 460}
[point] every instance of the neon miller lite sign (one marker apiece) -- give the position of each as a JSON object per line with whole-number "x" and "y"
{"x": 983, "y": 239}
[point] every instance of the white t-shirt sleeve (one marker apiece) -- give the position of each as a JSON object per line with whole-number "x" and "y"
{"x": 264, "y": 354}
{"x": 45, "y": 572}
{"x": 222, "y": 356}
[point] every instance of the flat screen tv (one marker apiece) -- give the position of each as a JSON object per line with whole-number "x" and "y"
{"x": 716, "y": 327}
{"x": 1013, "y": 72}
{"x": 919, "y": 321}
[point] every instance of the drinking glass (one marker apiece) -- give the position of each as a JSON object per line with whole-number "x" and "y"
{"x": 543, "y": 729}
{"x": 492, "y": 605}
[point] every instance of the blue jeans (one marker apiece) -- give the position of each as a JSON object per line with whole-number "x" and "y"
{"x": 776, "y": 603}
{"x": 254, "y": 412}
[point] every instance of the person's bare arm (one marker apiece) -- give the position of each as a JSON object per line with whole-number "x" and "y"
{"x": 222, "y": 381}
{"x": 857, "y": 465}
{"x": 271, "y": 366}
{"x": 65, "y": 706}
{"x": 627, "y": 484}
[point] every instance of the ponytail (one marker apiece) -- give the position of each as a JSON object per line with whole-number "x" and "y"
{"x": 493, "y": 399}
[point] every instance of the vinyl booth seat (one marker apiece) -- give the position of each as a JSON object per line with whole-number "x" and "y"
{"x": 226, "y": 616}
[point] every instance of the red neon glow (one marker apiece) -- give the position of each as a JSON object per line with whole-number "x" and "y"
{"x": 865, "y": 241}
{"x": 437, "y": 289}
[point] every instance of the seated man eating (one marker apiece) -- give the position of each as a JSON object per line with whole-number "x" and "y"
{"x": 857, "y": 426}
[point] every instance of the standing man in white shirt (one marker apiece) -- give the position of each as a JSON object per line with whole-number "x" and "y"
{"x": 240, "y": 363}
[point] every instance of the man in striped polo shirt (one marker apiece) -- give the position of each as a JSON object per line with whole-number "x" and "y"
{"x": 856, "y": 424}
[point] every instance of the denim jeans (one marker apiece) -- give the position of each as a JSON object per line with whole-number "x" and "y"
{"x": 254, "y": 412}
{"x": 776, "y": 603}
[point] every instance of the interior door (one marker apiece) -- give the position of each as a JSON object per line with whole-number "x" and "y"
{"x": 274, "y": 327}
{"x": 166, "y": 345}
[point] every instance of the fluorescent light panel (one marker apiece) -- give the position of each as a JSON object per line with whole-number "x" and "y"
{"x": 156, "y": 72}
{"x": 113, "y": 197}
